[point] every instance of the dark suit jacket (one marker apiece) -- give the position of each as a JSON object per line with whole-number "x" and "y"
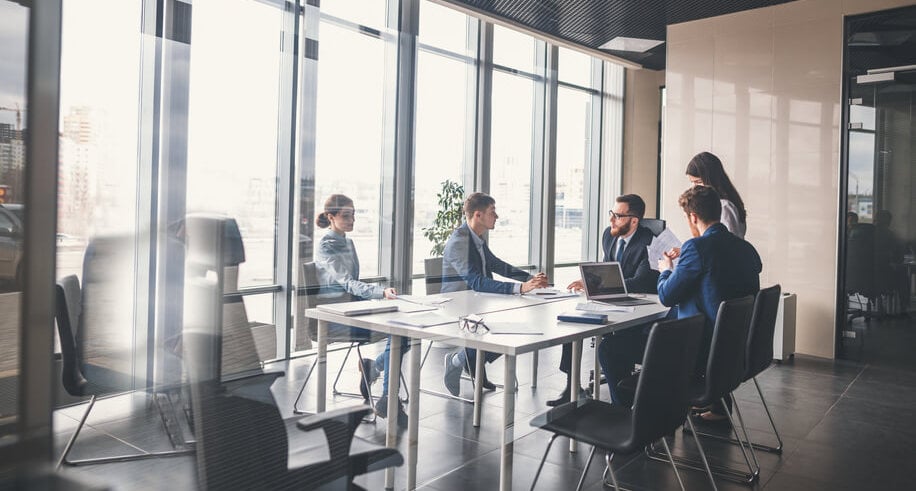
{"x": 462, "y": 267}
{"x": 637, "y": 274}
{"x": 714, "y": 267}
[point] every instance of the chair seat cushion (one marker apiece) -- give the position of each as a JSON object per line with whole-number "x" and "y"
{"x": 592, "y": 422}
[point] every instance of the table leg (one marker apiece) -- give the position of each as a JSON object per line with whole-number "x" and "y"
{"x": 534, "y": 369}
{"x": 394, "y": 381}
{"x": 508, "y": 435}
{"x": 478, "y": 387}
{"x": 575, "y": 375}
{"x": 322, "y": 361}
{"x": 413, "y": 423}
{"x": 596, "y": 385}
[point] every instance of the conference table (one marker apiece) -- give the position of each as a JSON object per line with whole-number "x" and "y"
{"x": 532, "y": 319}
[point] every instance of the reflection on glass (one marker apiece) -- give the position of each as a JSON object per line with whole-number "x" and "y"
{"x": 233, "y": 122}
{"x": 350, "y": 119}
{"x": 14, "y": 21}
{"x": 574, "y": 141}
{"x": 442, "y": 93}
{"x": 511, "y": 165}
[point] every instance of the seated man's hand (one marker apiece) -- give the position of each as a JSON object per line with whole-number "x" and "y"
{"x": 576, "y": 286}
{"x": 537, "y": 281}
{"x": 674, "y": 253}
{"x": 666, "y": 262}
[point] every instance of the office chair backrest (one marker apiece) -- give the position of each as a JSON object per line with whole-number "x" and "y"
{"x": 860, "y": 259}
{"x": 763, "y": 327}
{"x": 313, "y": 299}
{"x": 726, "y": 364}
{"x": 241, "y": 443}
{"x": 434, "y": 277}
{"x": 655, "y": 225}
{"x": 68, "y": 314}
{"x": 661, "y": 400}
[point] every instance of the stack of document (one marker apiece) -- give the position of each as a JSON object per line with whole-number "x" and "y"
{"x": 662, "y": 243}
{"x": 550, "y": 293}
{"x": 603, "y": 307}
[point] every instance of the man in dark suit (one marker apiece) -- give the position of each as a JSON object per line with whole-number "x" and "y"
{"x": 714, "y": 266}
{"x": 624, "y": 241}
{"x": 469, "y": 263}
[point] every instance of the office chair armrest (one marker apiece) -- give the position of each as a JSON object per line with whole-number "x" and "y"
{"x": 352, "y": 414}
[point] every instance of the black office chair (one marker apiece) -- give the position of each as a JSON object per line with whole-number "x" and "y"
{"x": 655, "y": 225}
{"x": 760, "y": 355}
{"x": 69, "y": 315}
{"x": 242, "y": 442}
{"x": 312, "y": 299}
{"x": 725, "y": 370}
{"x": 659, "y": 407}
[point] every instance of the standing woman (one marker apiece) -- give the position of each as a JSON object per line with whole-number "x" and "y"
{"x": 338, "y": 272}
{"x": 705, "y": 169}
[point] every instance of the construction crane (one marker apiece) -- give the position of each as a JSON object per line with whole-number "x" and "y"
{"x": 18, "y": 115}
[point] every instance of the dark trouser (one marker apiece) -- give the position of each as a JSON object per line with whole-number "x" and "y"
{"x": 472, "y": 358}
{"x": 617, "y": 353}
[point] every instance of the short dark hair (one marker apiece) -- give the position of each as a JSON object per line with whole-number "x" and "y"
{"x": 635, "y": 204}
{"x": 703, "y": 201}
{"x": 477, "y": 202}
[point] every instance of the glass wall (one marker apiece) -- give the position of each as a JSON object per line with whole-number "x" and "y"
{"x": 446, "y": 71}
{"x": 514, "y": 149}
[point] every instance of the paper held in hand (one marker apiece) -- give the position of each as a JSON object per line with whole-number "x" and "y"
{"x": 663, "y": 242}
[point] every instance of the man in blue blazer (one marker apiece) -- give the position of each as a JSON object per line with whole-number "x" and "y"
{"x": 714, "y": 266}
{"x": 624, "y": 241}
{"x": 469, "y": 263}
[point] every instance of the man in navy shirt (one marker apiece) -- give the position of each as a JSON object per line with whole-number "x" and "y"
{"x": 714, "y": 266}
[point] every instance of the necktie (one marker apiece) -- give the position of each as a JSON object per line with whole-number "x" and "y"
{"x": 620, "y": 248}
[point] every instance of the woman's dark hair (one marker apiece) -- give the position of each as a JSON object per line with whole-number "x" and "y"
{"x": 708, "y": 168}
{"x": 332, "y": 206}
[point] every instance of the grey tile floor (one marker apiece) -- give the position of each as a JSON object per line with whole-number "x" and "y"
{"x": 845, "y": 425}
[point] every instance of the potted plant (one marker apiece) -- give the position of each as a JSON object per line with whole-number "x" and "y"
{"x": 448, "y": 218}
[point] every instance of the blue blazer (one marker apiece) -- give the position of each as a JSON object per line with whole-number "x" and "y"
{"x": 462, "y": 267}
{"x": 714, "y": 267}
{"x": 637, "y": 274}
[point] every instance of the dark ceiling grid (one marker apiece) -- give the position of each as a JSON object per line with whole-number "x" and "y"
{"x": 591, "y": 23}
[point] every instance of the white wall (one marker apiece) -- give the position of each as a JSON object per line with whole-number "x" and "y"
{"x": 762, "y": 90}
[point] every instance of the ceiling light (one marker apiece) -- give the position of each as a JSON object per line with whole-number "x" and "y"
{"x": 636, "y": 45}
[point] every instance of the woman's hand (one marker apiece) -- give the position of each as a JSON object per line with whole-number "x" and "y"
{"x": 390, "y": 293}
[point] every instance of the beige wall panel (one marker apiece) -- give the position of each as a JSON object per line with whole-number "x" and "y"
{"x": 762, "y": 89}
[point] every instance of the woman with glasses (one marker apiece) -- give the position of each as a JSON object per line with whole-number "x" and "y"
{"x": 705, "y": 169}
{"x": 338, "y": 272}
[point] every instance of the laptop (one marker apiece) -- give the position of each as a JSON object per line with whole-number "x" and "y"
{"x": 604, "y": 283}
{"x": 362, "y": 307}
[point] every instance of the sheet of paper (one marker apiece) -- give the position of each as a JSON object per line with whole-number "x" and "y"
{"x": 661, "y": 243}
{"x": 549, "y": 293}
{"x": 408, "y": 307}
{"x": 602, "y": 307}
{"x": 424, "y": 300}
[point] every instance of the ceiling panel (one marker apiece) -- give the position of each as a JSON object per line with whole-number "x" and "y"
{"x": 591, "y": 23}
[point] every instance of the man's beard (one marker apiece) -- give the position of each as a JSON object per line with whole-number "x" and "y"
{"x": 621, "y": 230}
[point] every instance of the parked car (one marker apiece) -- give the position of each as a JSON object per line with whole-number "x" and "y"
{"x": 10, "y": 247}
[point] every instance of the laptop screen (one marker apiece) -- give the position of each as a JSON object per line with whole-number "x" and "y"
{"x": 602, "y": 279}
